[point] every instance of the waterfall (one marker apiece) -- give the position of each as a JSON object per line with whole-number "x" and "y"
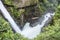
{"x": 9, "y": 18}
{"x": 31, "y": 32}
{"x": 28, "y": 31}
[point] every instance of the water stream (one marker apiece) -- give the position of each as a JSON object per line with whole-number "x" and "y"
{"x": 28, "y": 31}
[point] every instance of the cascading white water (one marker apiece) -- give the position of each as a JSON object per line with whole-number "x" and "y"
{"x": 8, "y": 17}
{"x": 29, "y": 32}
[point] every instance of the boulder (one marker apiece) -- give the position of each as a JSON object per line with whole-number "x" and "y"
{"x": 21, "y": 3}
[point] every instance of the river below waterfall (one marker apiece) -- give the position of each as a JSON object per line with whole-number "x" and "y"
{"x": 28, "y": 31}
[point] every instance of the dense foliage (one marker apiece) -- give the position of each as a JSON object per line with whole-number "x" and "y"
{"x": 6, "y": 32}
{"x": 51, "y": 32}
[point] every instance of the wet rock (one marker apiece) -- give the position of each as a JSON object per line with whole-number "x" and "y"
{"x": 21, "y": 3}
{"x": 30, "y": 13}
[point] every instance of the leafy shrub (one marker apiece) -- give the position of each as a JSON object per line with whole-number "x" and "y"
{"x": 6, "y": 32}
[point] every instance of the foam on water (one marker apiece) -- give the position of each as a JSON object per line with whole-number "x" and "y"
{"x": 31, "y": 32}
{"x": 28, "y": 31}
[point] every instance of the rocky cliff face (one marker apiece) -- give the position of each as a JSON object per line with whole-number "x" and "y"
{"x": 23, "y": 10}
{"x": 21, "y": 3}
{"x": 27, "y": 10}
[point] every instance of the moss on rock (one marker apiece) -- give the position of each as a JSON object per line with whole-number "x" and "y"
{"x": 21, "y": 3}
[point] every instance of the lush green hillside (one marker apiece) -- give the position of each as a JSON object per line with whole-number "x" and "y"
{"x": 51, "y": 32}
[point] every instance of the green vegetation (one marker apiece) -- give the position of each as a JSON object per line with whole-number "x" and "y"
{"x": 51, "y": 32}
{"x": 6, "y": 32}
